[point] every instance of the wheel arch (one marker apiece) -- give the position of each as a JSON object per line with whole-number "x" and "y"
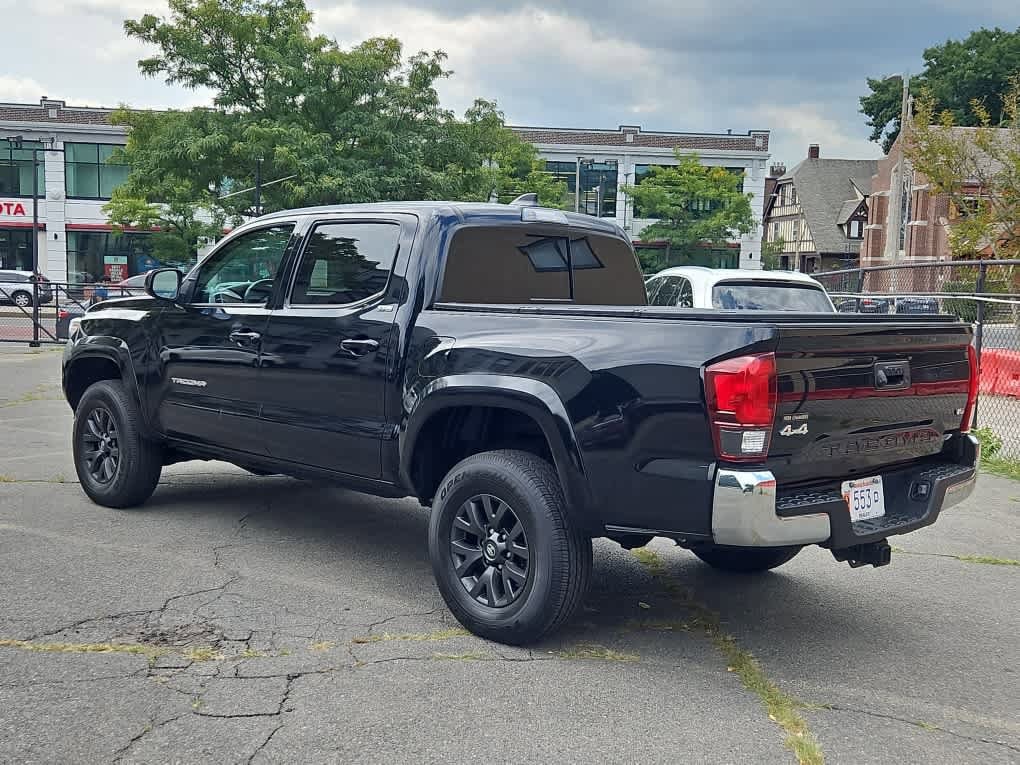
{"x": 530, "y": 407}
{"x": 98, "y": 361}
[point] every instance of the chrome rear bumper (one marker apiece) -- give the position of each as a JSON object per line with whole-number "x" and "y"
{"x": 744, "y": 513}
{"x": 745, "y": 501}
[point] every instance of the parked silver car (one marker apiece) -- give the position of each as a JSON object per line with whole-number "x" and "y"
{"x": 16, "y": 288}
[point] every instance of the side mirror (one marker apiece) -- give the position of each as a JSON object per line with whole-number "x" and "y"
{"x": 164, "y": 283}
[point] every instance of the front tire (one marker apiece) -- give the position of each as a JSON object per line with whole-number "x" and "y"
{"x": 507, "y": 560}
{"x": 116, "y": 466}
{"x": 745, "y": 560}
{"x": 22, "y": 299}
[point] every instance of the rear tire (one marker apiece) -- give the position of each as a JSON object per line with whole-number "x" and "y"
{"x": 116, "y": 466}
{"x": 506, "y": 558}
{"x": 745, "y": 560}
{"x": 22, "y": 299}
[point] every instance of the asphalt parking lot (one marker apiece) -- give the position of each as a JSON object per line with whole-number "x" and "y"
{"x": 244, "y": 619}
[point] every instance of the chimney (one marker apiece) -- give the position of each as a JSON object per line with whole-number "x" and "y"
{"x": 812, "y": 151}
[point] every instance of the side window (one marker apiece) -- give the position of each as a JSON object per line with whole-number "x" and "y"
{"x": 244, "y": 270}
{"x": 652, "y": 287}
{"x": 522, "y": 264}
{"x": 345, "y": 262}
{"x": 685, "y": 298}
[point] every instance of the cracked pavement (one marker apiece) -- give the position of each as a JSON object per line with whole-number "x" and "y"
{"x": 260, "y": 620}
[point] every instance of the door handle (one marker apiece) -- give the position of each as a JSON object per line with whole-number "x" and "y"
{"x": 243, "y": 338}
{"x": 359, "y": 347}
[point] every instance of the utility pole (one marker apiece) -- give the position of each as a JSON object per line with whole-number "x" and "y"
{"x": 258, "y": 186}
{"x": 894, "y": 220}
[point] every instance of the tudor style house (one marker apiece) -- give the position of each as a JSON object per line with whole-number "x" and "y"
{"x": 819, "y": 211}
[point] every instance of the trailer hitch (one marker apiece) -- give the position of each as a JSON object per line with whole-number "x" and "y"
{"x": 875, "y": 553}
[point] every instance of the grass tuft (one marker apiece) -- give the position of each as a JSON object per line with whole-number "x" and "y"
{"x": 986, "y": 560}
{"x": 203, "y": 653}
{"x": 322, "y": 645}
{"x": 594, "y": 651}
{"x": 469, "y": 656}
{"x": 414, "y": 636}
{"x": 782, "y": 708}
{"x": 132, "y": 648}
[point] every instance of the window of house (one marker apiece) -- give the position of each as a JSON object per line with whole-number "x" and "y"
{"x": 855, "y": 229}
{"x": 345, "y": 263}
{"x": 88, "y": 172}
{"x": 16, "y": 249}
{"x": 16, "y": 169}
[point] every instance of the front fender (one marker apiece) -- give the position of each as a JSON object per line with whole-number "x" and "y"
{"x": 530, "y": 397}
{"x": 105, "y": 347}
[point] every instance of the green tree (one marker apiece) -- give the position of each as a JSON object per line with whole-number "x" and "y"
{"x": 770, "y": 252}
{"x": 327, "y": 125}
{"x": 697, "y": 206}
{"x": 978, "y": 169}
{"x": 956, "y": 73}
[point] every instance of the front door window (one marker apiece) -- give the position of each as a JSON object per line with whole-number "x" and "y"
{"x": 244, "y": 270}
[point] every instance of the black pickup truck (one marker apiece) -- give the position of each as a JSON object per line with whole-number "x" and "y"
{"x": 500, "y": 364}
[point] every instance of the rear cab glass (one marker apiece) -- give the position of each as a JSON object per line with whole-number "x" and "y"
{"x": 770, "y": 296}
{"x": 524, "y": 263}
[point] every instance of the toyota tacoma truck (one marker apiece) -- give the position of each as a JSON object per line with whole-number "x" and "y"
{"x": 500, "y": 364}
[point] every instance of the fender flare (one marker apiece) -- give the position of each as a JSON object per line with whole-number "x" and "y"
{"x": 112, "y": 349}
{"x": 530, "y": 397}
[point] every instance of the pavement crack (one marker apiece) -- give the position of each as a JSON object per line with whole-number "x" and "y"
{"x": 265, "y": 743}
{"x": 149, "y": 728}
{"x": 917, "y": 724}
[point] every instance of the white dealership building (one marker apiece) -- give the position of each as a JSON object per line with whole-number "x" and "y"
{"x": 73, "y": 148}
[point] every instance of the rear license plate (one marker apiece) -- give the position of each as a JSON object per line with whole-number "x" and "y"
{"x": 864, "y": 498}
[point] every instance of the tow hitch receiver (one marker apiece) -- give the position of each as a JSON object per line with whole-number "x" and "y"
{"x": 876, "y": 553}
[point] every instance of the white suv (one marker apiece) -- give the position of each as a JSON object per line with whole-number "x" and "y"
{"x": 16, "y": 288}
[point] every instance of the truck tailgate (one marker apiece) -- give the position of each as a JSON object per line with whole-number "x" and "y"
{"x": 856, "y": 398}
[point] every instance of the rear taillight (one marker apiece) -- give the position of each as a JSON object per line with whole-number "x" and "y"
{"x": 741, "y": 395}
{"x": 972, "y": 390}
{"x": 63, "y": 314}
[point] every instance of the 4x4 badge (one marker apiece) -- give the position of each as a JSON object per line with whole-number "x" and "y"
{"x": 789, "y": 430}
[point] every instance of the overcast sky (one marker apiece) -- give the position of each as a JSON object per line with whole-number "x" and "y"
{"x": 795, "y": 67}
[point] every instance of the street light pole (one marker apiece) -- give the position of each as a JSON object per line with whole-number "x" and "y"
{"x": 892, "y": 237}
{"x": 258, "y": 186}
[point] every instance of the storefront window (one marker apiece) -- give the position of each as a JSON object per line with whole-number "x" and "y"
{"x": 598, "y": 184}
{"x": 16, "y": 249}
{"x": 88, "y": 172}
{"x": 16, "y": 169}
{"x": 93, "y": 256}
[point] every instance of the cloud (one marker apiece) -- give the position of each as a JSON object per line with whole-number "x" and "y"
{"x": 22, "y": 90}
{"x": 796, "y": 67}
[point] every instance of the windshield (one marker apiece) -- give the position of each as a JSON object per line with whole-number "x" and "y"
{"x": 766, "y": 296}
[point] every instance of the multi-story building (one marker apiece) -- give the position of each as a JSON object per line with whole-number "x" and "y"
{"x": 73, "y": 147}
{"x": 819, "y": 211}
{"x": 608, "y": 160}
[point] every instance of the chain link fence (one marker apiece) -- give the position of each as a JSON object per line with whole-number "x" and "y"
{"x": 983, "y": 292}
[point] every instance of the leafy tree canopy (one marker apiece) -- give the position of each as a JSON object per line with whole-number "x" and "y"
{"x": 956, "y": 73}
{"x": 978, "y": 169}
{"x": 697, "y": 206}
{"x": 327, "y": 125}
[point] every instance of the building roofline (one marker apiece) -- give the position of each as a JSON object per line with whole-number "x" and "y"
{"x": 622, "y": 129}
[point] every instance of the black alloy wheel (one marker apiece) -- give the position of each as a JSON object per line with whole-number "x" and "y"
{"x": 116, "y": 465}
{"x": 508, "y": 560}
{"x": 102, "y": 447}
{"x": 490, "y": 551}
